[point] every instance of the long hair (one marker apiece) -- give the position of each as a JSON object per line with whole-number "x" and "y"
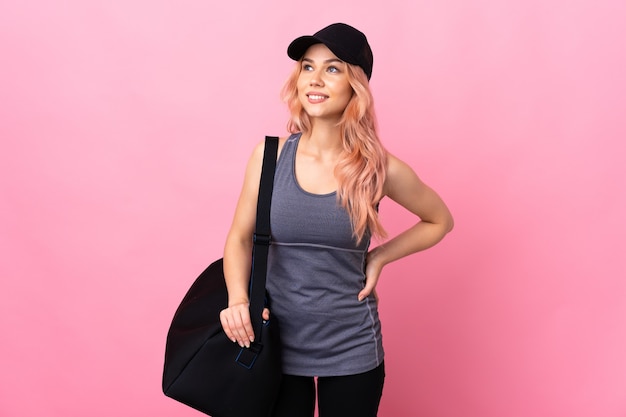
{"x": 361, "y": 169}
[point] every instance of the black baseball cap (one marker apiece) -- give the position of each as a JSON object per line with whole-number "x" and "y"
{"x": 347, "y": 43}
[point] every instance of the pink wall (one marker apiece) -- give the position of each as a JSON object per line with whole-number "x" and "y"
{"x": 125, "y": 127}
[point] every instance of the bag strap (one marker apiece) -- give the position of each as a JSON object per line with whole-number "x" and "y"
{"x": 262, "y": 238}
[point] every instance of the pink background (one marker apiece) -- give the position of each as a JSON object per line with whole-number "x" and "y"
{"x": 125, "y": 127}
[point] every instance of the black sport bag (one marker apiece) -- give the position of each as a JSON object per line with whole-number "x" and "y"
{"x": 203, "y": 368}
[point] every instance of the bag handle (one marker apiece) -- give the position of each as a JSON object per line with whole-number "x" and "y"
{"x": 262, "y": 236}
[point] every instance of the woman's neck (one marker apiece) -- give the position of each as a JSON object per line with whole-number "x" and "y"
{"x": 324, "y": 137}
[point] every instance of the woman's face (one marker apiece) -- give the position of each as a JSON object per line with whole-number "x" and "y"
{"x": 323, "y": 86}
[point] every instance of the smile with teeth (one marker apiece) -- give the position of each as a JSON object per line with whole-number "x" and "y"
{"x": 316, "y": 97}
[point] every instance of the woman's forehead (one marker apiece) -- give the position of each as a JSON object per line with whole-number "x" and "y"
{"x": 319, "y": 52}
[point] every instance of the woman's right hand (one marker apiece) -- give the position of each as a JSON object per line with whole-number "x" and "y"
{"x": 237, "y": 325}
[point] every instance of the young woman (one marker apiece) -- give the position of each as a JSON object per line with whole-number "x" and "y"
{"x": 331, "y": 174}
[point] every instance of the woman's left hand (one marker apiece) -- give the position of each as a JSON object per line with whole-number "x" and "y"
{"x": 373, "y": 269}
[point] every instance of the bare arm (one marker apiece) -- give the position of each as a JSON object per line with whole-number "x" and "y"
{"x": 238, "y": 255}
{"x": 405, "y": 188}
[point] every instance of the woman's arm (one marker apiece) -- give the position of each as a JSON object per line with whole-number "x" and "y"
{"x": 405, "y": 188}
{"x": 238, "y": 255}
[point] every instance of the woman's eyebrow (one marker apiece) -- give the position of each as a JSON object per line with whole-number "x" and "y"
{"x": 328, "y": 61}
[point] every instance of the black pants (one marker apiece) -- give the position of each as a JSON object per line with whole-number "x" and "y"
{"x": 338, "y": 396}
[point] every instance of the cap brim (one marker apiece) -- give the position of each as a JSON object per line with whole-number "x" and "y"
{"x": 298, "y": 47}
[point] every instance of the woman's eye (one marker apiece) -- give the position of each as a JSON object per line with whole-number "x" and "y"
{"x": 333, "y": 69}
{"x": 307, "y": 67}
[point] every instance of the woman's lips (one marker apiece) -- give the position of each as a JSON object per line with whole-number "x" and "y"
{"x": 316, "y": 97}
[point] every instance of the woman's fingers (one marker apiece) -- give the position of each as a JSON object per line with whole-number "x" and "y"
{"x": 367, "y": 290}
{"x": 372, "y": 273}
{"x": 237, "y": 325}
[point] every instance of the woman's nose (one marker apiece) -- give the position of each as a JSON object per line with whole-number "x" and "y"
{"x": 316, "y": 79}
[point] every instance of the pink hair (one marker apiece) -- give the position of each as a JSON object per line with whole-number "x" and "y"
{"x": 361, "y": 169}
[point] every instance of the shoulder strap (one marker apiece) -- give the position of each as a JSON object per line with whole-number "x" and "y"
{"x": 262, "y": 237}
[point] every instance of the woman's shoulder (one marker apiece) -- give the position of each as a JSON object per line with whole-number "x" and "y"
{"x": 396, "y": 166}
{"x": 399, "y": 174}
{"x": 259, "y": 148}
